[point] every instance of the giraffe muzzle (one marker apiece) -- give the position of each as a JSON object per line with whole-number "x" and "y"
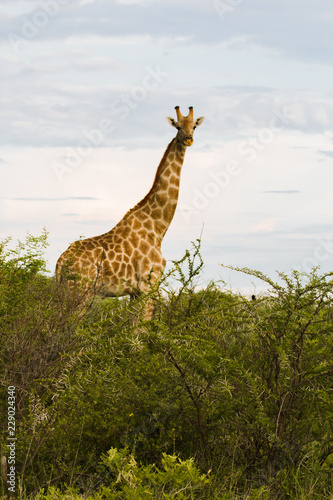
{"x": 188, "y": 140}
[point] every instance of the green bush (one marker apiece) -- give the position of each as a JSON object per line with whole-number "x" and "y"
{"x": 129, "y": 481}
{"x": 239, "y": 390}
{"x": 39, "y": 344}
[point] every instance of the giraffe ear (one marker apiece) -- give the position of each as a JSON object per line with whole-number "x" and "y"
{"x": 199, "y": 121}
{"x": 172, "y": 122}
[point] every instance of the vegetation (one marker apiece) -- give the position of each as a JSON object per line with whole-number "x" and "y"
{"x": 217, "y": 397}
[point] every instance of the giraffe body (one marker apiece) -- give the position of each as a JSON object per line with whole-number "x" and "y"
{"x": 128, "y": 259}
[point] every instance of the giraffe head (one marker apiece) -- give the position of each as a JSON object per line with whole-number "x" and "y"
{"x": 185, "y": 125}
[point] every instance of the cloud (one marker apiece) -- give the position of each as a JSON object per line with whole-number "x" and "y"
{"x": 86, "y": 198}
{"x": 259, "y": 23}
{"x": 60, "y": 114}
{"x": 310, "y": 230}
{"x": 57, "y": 93}
{"x": 326, "y": 153}
{"x": 96, "y": 222}
{"x": 96, "y": 63}
{"x": 287, "y": 191}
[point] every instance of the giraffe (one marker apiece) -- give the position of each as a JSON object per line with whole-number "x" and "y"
{"x": 128, "y": 259}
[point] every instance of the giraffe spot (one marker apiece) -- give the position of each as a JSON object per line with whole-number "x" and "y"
{"x": 128, "y": 248}
{"x": 162, "y": 198}
{"x": 111, "y": 254}
{"x": 163, "y": 184}
{"x": 123, "y": 269}
{"x": 168, "y": 213}
{"x": 115, "y": 266}
{"x": 153, "y": 255}
{"x": 157, "y": 213}
{"x": 136, "y": 256}
{"x": 126, "y": 258}
{"x": 148, "y": 225}
{"x": 145, "y": 265}
{"x": 144, "y": 247}
{"x": 167, "y": 171}
{"x": 174, "y": 180}
{"x": 158, "y": 227}
{"x": 106, "y": 267}
{"x": 137, "y": 224}
{"x": 173, "y": 193}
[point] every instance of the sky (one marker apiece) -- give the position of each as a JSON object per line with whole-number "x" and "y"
{"x": 85, "y": 89}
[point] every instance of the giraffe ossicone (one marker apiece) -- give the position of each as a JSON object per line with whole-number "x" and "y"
{"x": 128, "y": 259}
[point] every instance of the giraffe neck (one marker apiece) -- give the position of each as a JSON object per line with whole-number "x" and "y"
{"x": 161, "y": 201}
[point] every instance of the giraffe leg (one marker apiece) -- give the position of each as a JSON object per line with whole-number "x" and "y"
{"x": 134, "y": 314}
{"x": 146, "y": 312}
{"x": 149, "y": 284}
{"x": 147, "y": 278}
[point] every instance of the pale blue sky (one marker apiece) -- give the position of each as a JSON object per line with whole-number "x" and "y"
{"x": 259, "y": 175}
